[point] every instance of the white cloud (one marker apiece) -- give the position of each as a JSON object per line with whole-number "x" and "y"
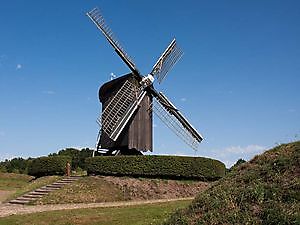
{"x": 18, "y": 67}
{"x": 183, "y": 99}
{"x": 191, "y": 154}
{"x": 49, "y": 92}
{"x": 231, "y": 154}
{"x": 5, "y": 156}
{"x": 244, "y": 150}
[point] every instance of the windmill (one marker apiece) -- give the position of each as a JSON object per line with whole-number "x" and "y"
{"x": 129, "y": 101}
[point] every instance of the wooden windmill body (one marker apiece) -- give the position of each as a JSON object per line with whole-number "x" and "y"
{"x": 137, "y": 134}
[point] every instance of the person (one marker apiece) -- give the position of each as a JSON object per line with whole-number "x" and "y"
{"x": 68, "y": 169}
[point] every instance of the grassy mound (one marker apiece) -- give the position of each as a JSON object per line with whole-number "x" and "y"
{"x": 265, "y": 190}
{"x": 92, "y": 189}
{"x": 12, "y": 181}
{"x": 14, "y": 185}
{"x": 85, "y": 190}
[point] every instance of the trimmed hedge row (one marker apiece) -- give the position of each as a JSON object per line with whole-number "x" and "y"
{"x": 46, "y": 166}
{"x": 178, "y": 167}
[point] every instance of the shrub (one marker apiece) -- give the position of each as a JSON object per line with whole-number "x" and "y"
{"x": 177, "y": 167}
{"x": 46, "y": 166}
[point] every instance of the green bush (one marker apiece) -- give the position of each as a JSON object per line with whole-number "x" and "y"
{"x": 177, "y": 167}
{"x": 46, "y": 166}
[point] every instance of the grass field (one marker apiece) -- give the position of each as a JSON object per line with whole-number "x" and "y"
{"x": 132, "y": 215}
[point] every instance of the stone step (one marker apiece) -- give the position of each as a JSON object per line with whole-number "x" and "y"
{"x": 54, "y": 186}
{"x": 43, "y": 190}
{"x": 63, "y": 182}
{"x": 37, "y": 193}
{"x": 32, "y": 196}
{"x": 71, "y": 178}
{"x": 25, "y": 199}
{"x": 40, "y": 192}
{"x": 50, "y": 186}
{"x": 50, "y": 189}
{"x": 22, "y": 202}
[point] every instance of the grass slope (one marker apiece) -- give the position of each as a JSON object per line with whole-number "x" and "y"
{"x": 18, "y": 184}
{"x": 265, "y": 190}
{"x": 13, "y": 181}
{"x": 85, "y": 190}
{"x": 10, "y": 183}
{"x": 109, "y": 189}
{"x": 132, "y": 215}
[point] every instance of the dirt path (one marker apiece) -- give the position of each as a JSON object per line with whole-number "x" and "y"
{"x": 10, "y": 209}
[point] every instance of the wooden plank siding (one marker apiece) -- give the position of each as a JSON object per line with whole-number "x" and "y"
{"x": 137, "y": 135}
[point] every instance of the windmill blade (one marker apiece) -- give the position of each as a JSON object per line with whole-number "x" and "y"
{"x": 120, "y": 109}
{"x": 98, "y": 20}
{"x": 166, "y": 61}
{"x": 168, "y": 113}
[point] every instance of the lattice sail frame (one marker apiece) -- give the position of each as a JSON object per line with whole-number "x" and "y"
{"x": 120, "y": 109}
{"x": 166, "y": 61}
{"x": 99, "y": 21}
{"x": 174, "y": 124}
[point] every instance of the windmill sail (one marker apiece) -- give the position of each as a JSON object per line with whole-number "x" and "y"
{"x": 98, "y": 20}
{"x": 166, "y": 61}
{"x": 168, "y": 113}
{"x": 120, "y": 109}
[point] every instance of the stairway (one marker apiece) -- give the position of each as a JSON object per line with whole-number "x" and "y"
{"x": 40, "y": 192}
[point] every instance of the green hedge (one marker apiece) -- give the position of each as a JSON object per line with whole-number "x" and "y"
{"x": 46, "y": 166}
{"x": 177, "y": 167}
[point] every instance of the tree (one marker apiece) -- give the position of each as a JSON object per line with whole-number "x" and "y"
{"x": 78, "y": 156}
{"x": 15, "y": 165}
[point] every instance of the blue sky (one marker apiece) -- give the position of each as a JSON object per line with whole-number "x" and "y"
{"x": 238, "y": 81}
